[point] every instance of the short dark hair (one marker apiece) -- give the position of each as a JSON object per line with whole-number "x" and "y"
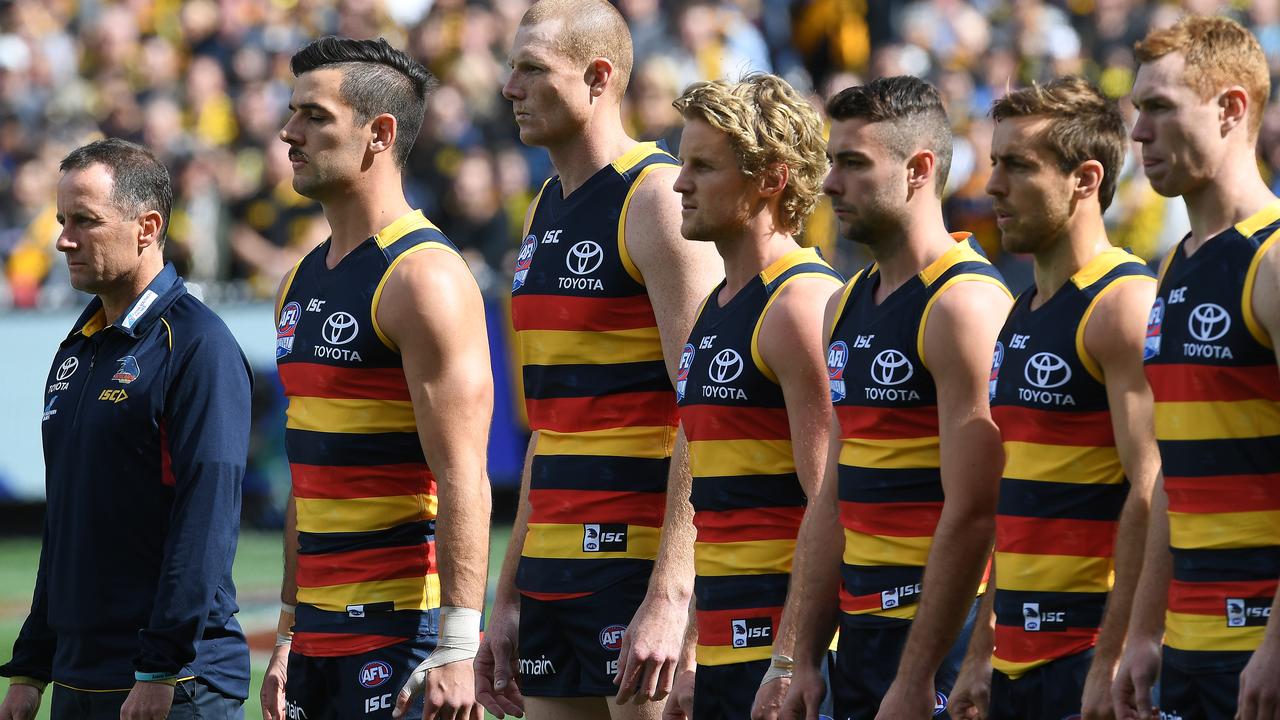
{"x": 1084, "y": 125}
{"x": 387, "y": 81}
{"x": 140, "y": 182}
{"x": 912, "y": 106}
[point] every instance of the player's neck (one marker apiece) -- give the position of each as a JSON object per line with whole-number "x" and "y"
{"x": 358, "y": 215}
{"x": 116, "y": 300}
{"x": 1084, "y": 240}
{"x": 1234, "y": 194}
{"x": 924, "y": 239}
{"x": 598, "y": 145}
{"x": 747, "y": 255}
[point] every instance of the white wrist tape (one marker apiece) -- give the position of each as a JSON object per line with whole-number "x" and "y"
{"x": 459, "y": 637}
{"x": 780, "y": 666}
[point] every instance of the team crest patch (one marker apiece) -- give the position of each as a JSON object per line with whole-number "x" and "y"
{"x": 837, "y": 358}
{"x": 285, "y": 329}
{"x": 1151, "y": 347}
{"x": 128, "y": 370}
{"x": 939, "y": 704}
{"x": 996, "y": 361}
{"x": 374, "y": 674}
{"x": 527, "y": 247}
{"x": 682, "y": 372}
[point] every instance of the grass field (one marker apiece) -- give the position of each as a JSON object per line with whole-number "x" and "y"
{"x": 257, "y": 577}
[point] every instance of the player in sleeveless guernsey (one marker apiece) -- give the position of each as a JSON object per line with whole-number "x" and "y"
{"x": 1212, "y": 562}
{"x": 1074, "y": 411}
{"x": 752, "y": 377}
{"x": 592, "y": 598}
{"x": 390, "y": 395}
{"x": 909, "y": 356}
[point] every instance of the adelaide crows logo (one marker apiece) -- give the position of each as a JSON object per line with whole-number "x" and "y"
{"x": 128, "y": 370}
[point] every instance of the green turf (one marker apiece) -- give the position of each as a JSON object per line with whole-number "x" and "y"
{"x": 257, "y": 577}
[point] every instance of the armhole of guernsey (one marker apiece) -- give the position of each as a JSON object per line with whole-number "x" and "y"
{"x": 768, "y": 278}
{"x": 1258, "y": 332}
{"x": 386, "y": 275}
{"x": 928, "y": 306}
{"x": 1086, "y": 358}
{"x": 844, "y": 301}
{"x": 284, "y": 289}
{"x": 627, "y": 262}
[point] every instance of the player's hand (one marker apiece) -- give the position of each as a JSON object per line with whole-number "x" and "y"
{"x": 1095, "y": 701}
{"x": 450, "y": 692}
{"x": 805, "y": 695}
{"x": 768, "y": 702}
{"x": 908, "y": 701}
{"x": 1139, "y": 668}
{"x": 273, "y": 681}
{"x": 147, "y": 701}
{"x": 20, "y": 703}
{"x": 496, "y": 666}
{"x": 971, "y": 696}
{"x": 650, "y": 650}
{"x": 680, "y": 702}
{"x": 1259, "y": 697}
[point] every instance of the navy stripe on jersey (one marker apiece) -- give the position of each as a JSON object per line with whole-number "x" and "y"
{"x": 731, "y": 592}
{"x": 591, "y": 472}
{"x": 543, "y": 382}
{"x": 736, "y": 491}
{"x": 1036, "y": 498}
{"x": 889, "y": 485}
{"x": 306, "y": 447}
{"x": 1228, "y": 456}
{"x": 408, "y": 534}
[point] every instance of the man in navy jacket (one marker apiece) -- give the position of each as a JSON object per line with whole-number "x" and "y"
{"x": 146, "y": 431}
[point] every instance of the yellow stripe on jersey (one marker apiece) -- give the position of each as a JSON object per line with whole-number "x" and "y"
{"x": 1062, "y": 463}
{"x": 1217, "y": 420}
{"x": 1014, "y": 670}
{"x": 363, "y": 514}
{"x": 401, "y": 226}
{"x": 723, "y": 458}
{"x": 565, "y": 542}
{"x": 1053, "y": 573}
{"x": 386, "y": 275}
{"x": 596, "y": 347}
{"x": 1224, "y": 531}
{"x": 623, "y": 164}
{"x": 640, "y": 441}
{"x": 890, "y": 454}
{"x": 1209, "y": 633}
{"x": 407, "y": 593}
{"x": 844, "y": 300}
{"x": 728, "y": 655}
{"x": 1086, "y": 359}
{"x": 751, "y": 557}
{"x": 284, "y": 288}
{"x": 863, "y": 549}
{"x": 350, "y": 415}
{"x": 963, "y": 277}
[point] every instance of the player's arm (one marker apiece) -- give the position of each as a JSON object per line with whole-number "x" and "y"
{"x": 792, "y": 343}
{"x": 1260, "y": 681}
{"x": 1140, "y": 662}
{"x": 432, "y": 311}
{"x": 680, "y": 702}
{"x": 971, "y": 694}
{"x": 678, "y": 275}
{"x": 31, "y": 667}
{"x": 959, "y": 334}
{"x": 1114, "y": 336}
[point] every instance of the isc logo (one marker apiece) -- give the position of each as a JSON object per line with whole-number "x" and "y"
{"x": 890, "y": 599}
{"x": 604, "y": 537}
{"x": 752, "y": 632}
{"x": 374, "y": 704}
{"x": 374, "y": 673}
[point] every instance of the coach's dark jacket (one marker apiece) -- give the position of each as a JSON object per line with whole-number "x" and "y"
{"x": 146, "y": 433}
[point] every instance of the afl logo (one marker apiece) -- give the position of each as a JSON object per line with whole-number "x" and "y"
{"x": 68, "y": 368}
{"x": 374, "y": 673}
{"x": 1208, "y": 322}
{"x": 611, "y": 637}
{"x": 289, "y": 316}
{"x": 1047, "y": 371}
{"x": 891, "y": 367}
{"x": 523, "y": 261}
{"x": 682, "y": 370}
{"x": 939, "y": 704}
{"x": 584, "y": 257}
{"x": 1151, "y": 347}
{"x": 837, "y": 358}
{"x": 726, "y": 366}
{"x": 996, "y": 361}
{"x": 340, "y": 329}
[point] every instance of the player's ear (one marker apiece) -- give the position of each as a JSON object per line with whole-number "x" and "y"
{"x": 150, "y": 229}
{"x": 1233, "y": 104}
{"x": 598, "y": 76}
{"x": 921, "y": 167}
{"x": 1088, "y": 179}
{"x": 773, "y": 179}
{"x": 383, "y": 133}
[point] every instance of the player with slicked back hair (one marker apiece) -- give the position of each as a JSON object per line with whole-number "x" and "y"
{"x": 1204, "y": 616}
{"x": 592, "y": 591}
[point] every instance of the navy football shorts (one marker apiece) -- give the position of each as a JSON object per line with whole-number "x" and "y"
{"x": 721, "y": 692}
{"x": 1051, "y": 691}
{"x": 1200, "y": 685}
{"x": 354, "y": 686}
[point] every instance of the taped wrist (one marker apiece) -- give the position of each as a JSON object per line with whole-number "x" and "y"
{"x": 780, "y": 666}
{"x": 459, "y": 637}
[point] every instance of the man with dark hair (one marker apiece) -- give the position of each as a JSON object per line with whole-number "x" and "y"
{"x": 1074, "y": 411}
{"x": 146, "y": 434}
{"x": 390, "y": 395}
{"x": 908, "y": 362}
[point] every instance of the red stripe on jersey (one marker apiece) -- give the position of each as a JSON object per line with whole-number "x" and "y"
{"x": 1210, "y": 598}
{"x": 1223, "y": 493}
{"x": 1013, "y": 644}
{"x": 166, "y": 460}
{"x": 571, "y": 507}
{"x": 853, "y": 604}
{"x": 1055, "y": 536}
{"x": 358, "y": 566}
{"x": 904, "y": 519}
{"x": 303, "y": 379}
{"x": 602, "y": 412}
{"x": 769, "y": 523}
{"x": 564, "y": 312}
{"x": 332, "y": 482}
{"x": 715, "y": 627}
{"x": 318, "y": 644}
{"x": 1050, "y": 427}
{"x": 552, "y": 597}
{"x": 888, "y": 423}
{"x": 1192, "y": 383}
{"x": 724, "y": 422}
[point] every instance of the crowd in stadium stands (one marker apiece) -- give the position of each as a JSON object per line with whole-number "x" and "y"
{"x": 205, "y": 84}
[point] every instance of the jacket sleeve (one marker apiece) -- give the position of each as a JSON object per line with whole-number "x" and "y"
{"x": 34, "y": 648}
{"x": 205, "y": 431}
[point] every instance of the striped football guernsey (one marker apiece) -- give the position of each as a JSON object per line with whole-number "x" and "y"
{"x": 747, "y": 500}
{"x": 890, "y": 486}
{"x": 1213, "y": 373}
{"x": 365, "y": 498}
{"x": 1063, "y": 485}
{"x": 596, "y": 388}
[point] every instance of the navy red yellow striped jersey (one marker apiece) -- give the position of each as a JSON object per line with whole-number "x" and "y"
{"x": 1213, "y": 374}
{"x": 1063, "y": 485}
{"x": 890, "y": 485}
{"x": 366, "y": 500}
{"x": 596, "y": 388}
{"x": 747, "y": 500}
